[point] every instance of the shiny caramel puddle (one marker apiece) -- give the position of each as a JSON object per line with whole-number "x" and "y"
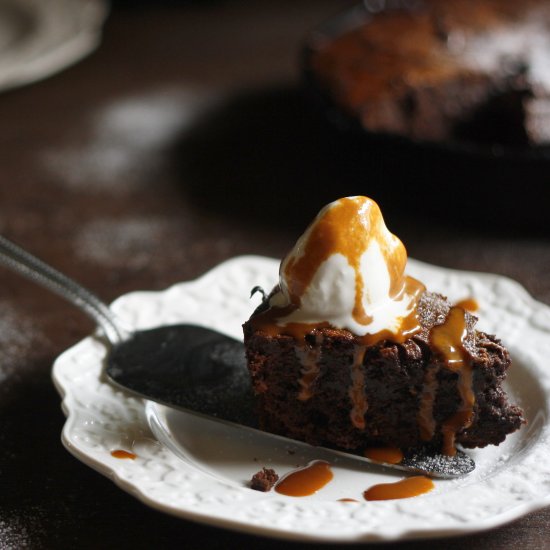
{"x": 305, "y": 481}
{"x": 406, "y": 488}
{"x": 310, "y": 479}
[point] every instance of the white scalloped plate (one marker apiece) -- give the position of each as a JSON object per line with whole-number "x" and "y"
{"x": 40, "y": 37}
{"x": 198, "y": 469}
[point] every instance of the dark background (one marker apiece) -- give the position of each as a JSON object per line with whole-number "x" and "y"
{"x": 82, "y": 186}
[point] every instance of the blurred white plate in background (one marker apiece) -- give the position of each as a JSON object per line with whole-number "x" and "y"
{"x": 41, "y": 37}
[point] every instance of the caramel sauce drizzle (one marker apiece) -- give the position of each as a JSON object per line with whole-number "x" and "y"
{"x": 425, "y": 419}
{"x": 406, "y": 488}
{"x": 325, "y": 239}
{"x": 305, "y": 481}
{"x": 357, "y": 389}
{"x": 447, "y": 339}
{"x": 469, "y": 304}
{"x": 387, "y": 455}
{"x": 309, "y": 357}
{"x": 120, "y": 453}
{"x": 266, "y": 321}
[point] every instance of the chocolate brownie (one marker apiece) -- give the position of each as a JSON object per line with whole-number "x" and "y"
{"x": 332, "y": 390}
{"x": 264, "y": 480}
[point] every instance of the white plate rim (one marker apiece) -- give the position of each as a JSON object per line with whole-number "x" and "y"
{"x": 517, "y": 312}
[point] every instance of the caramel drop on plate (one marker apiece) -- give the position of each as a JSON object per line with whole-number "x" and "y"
{"x": 406, "y": 488}
{"x": 389, "y": 455}
{"x": 305, "y": 481}
{"x": 119, "y": 453}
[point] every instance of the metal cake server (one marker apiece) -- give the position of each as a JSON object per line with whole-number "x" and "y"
{"x": 192, "y": 368}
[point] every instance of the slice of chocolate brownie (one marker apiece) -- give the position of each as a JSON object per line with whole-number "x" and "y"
{"x": 349, "y": 351}
{"x": 332, "y": 390}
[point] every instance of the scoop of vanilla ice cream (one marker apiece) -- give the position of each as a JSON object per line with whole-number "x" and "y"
{"x": 347, "y": 269}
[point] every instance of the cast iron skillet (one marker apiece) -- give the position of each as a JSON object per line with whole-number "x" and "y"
{"x": 485, "y": 185}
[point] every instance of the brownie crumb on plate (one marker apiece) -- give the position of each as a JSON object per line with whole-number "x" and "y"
{"x": 264, "y": 480}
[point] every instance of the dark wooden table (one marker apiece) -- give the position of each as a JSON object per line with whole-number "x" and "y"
{"x": 183, "y": 141}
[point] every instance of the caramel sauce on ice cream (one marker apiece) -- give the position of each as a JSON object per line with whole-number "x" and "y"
{"x": 347, "y": 272}
{"x": 364, "y": 228}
